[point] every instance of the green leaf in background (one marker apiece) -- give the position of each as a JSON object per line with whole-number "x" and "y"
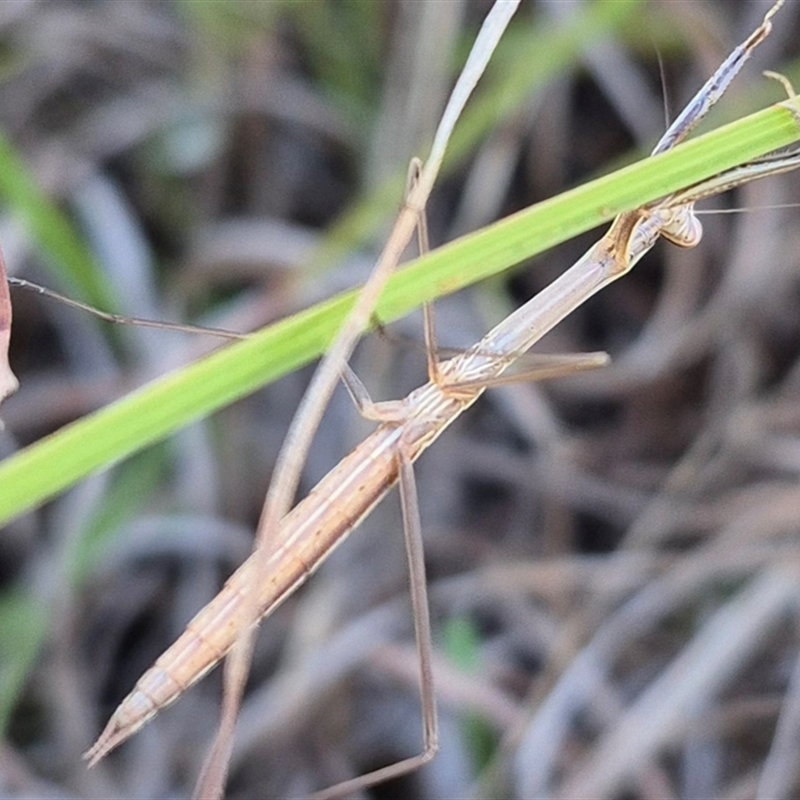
{"x": 51, "y": 230}
{"x": 462, "y": 646}
{"x": 126, "y": 498}
{"x": 25, "y": 621}
{"x": 23, "y": 631}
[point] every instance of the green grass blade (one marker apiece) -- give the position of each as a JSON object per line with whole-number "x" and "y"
{"x": 170, "y": 403}
{"x": 22, "y": 634}
{"x": 51, "y": 229}
{"x": 462, "y": 647}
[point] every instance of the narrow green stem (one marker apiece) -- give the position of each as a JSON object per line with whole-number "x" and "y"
{"x": 168, "y": 404}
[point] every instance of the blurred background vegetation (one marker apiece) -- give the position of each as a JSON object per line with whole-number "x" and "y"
{"x": 229, "y": 163}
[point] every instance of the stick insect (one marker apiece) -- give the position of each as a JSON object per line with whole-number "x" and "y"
{"x": 310, "y": 532}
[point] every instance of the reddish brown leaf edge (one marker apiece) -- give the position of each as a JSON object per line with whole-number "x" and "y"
{"x": 8, "y": 381}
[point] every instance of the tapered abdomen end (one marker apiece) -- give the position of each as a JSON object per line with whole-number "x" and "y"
{"x": 111, "y": 736}
{"x": 133, "y": 713}
{"x": 138, "y": 708}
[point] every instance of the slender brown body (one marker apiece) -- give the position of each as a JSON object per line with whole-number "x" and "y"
{"x": 314, "y": 528}
{"x": 307, "y": 536}
{"x": 324, "y": 519}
